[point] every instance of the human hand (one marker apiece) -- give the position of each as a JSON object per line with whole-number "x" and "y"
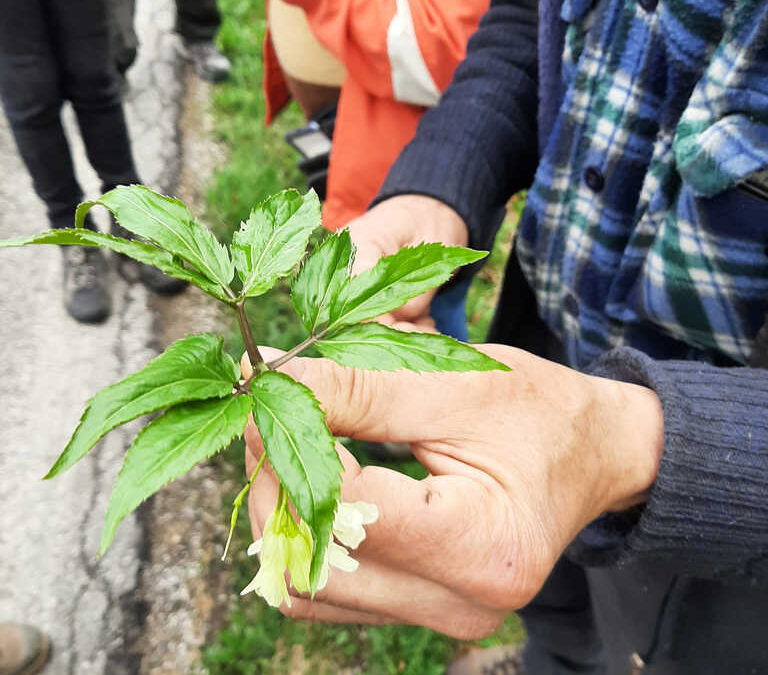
{"x": 519, "y": 463}
{"x": 405, "y": 220}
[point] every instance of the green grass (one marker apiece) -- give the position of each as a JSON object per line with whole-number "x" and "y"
{"x": 259, "y": 161}
{"x": 257, "y": 639}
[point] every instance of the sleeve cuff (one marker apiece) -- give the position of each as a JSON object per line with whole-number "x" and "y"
{"x": 707, "y": 510}
{"x": 448, "y": 173}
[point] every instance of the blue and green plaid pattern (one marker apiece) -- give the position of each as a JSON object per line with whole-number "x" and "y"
{"x": 636, "y": 231}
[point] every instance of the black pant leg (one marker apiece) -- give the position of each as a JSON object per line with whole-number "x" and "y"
{"x": 31, "y": 93}
{"x": 90, "y": 81}
{"x": 562, "y": 637}
{"x": 125, "y": 43}
{"x": 197, "y": 20}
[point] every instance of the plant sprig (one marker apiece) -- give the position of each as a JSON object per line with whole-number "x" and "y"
{"x": 200, "y": 388}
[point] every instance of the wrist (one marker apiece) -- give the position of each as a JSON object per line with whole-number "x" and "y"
{"x": 632, "y": 447}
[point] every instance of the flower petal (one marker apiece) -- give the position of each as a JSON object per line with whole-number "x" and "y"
{"x": 369, "y": 512}
{"x": 348, "y": 525}
{"x": 255, "y": 547}
{"x": 273, "y": 590}
{"x": 339, "y": 557}
{"x": 299, "y": 557}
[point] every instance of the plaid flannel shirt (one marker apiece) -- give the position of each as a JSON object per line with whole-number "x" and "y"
{"x": 636, "y": 224}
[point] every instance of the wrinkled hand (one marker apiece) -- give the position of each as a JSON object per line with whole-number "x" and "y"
{"x": 519, "y": 463}
{"x": 401, "y": 221}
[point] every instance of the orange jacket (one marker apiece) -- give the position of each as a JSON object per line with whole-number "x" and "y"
{"x": 400, "y": 55}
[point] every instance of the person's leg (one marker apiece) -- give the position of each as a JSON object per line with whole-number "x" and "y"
{"x": 123, "y": 39}
{"x": 89, "y": 79}
{"x": 31, "y": 92}
{"x": 91, "y": 82}
{"x": 31, "y": 95}
{"x": 198, "y": 21}
{"x": 561, "y": 635}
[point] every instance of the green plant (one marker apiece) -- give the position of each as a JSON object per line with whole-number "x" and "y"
{"x": 201, "y": 389}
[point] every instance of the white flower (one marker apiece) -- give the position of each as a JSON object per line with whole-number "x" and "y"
{"x": 350, "y": 518}
{"x": 348, "y": 529}
{"x": 285, "y": 544}
{"x": 269, "y": 582}
{"x": 338, "y": 557}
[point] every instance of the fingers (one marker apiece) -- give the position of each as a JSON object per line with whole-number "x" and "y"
{"x": 416, "y": 310}
{"x": 312, "y": 610}
{"x": 402, "y": 405}
{"x": 388, "y": 595}
{"x": 370, "y": 405}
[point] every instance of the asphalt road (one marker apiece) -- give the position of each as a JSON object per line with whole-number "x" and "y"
{"x": 49, "y": 366}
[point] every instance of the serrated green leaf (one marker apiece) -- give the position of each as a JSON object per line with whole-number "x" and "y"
{"x": 191, "y": 369}
{"x": 145, "y": 253}
{"x": 273, "y": 240}
{"x": 320, "y": 279}
{"x": 301, "y": 450}
{"x": 396, "y": 279}
{"x": 372, "y": 346}
{"x": 169, "y": 447}
{"x": 168, "y": 223}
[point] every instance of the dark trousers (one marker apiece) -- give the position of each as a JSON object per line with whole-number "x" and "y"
{"x": 560, "y": 626}
{"x": 197, "y": 20}
{"x": 52, "y": 51}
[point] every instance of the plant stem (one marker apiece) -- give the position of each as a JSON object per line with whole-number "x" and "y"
{"x": 239, "y": 502}
{"x": 294, "y": 352}
{"x": 257, "y": 362}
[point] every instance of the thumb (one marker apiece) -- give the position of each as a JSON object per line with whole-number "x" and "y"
{"x": 372, "y": 405}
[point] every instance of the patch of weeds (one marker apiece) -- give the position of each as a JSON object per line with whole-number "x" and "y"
{"x": 486, "y": 285}
{"x": 259, "y": 161}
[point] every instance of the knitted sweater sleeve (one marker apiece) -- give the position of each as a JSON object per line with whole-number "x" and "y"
{"x": 477, "y": 147}
{"x": 708, "y": 509}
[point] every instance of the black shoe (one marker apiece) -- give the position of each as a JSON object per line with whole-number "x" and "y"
{"x": 210, "y": 64}
{"x": 86, "y": 297}
{"x": 131, "y": 270}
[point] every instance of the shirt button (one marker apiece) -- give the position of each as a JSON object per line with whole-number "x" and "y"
{"x": 594, "y": 178}
{"x": 648, "y": 5}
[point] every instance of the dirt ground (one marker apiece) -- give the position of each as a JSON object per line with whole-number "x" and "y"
{"x": 185, "y": 585}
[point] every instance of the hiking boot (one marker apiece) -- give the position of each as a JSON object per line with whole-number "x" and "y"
{"x": 501, "y": 660}
{"x": 86, "y": 297}
{"x": 209, "y": 63}
{"x": 132, "y": 270}
{"x": 24, "y": 650}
